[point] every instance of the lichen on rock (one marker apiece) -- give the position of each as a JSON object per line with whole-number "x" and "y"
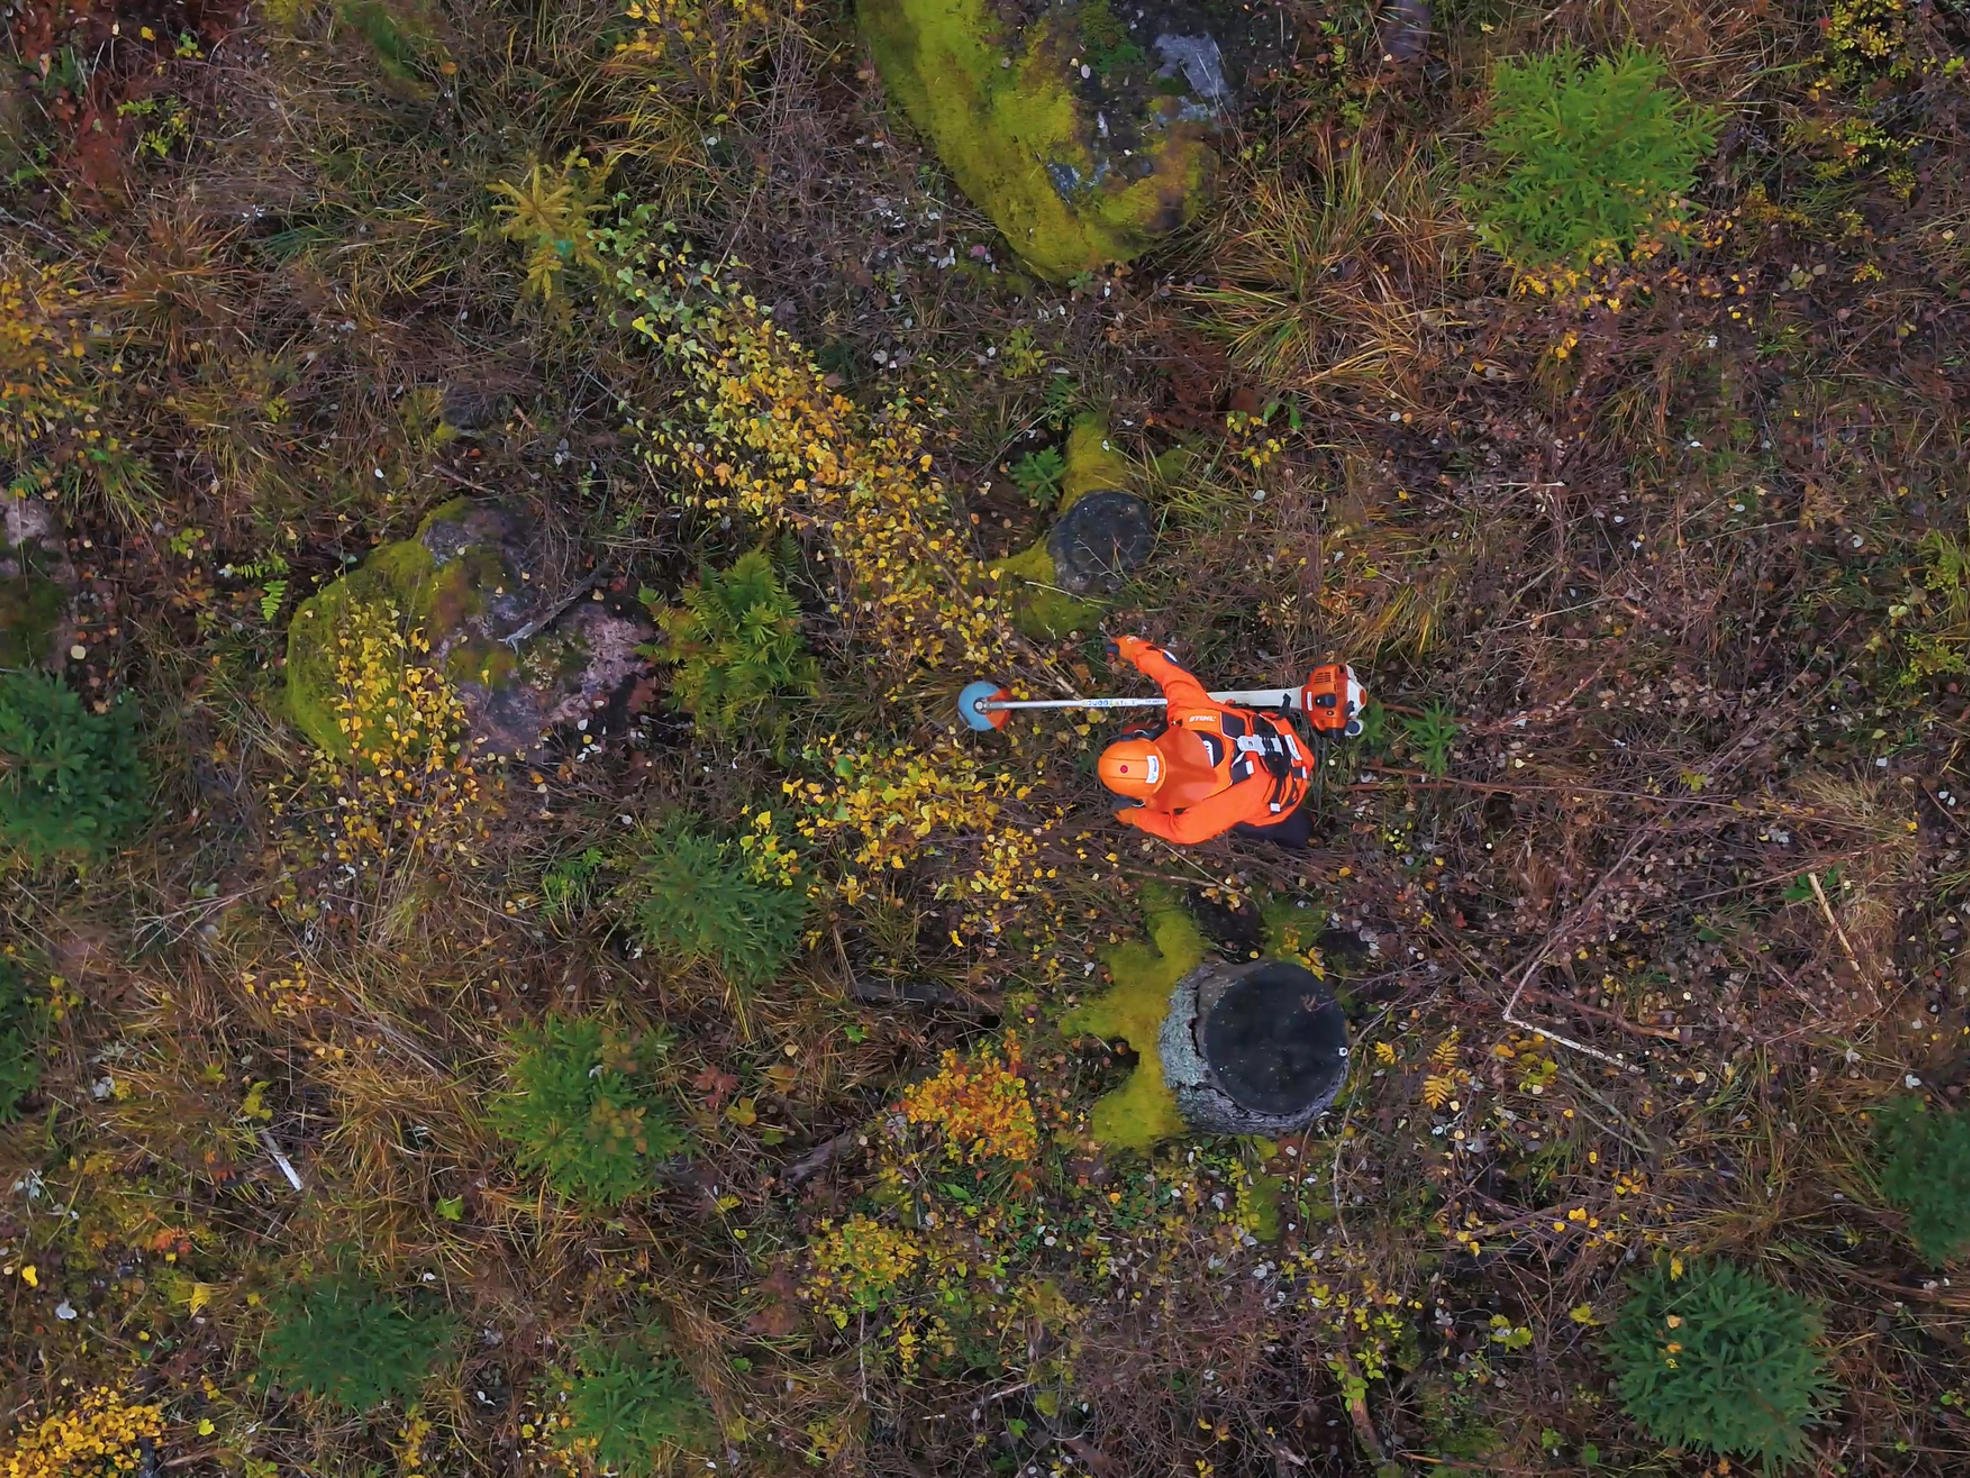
{"x": 484, "y": 586}
{"x": 1082, "y": 136}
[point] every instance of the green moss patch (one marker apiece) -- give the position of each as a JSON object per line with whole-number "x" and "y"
{"x": 1093, "y": 463}
{"x": 1005, "y": 120}
{"x": 1142, "y": 1111}
{"x": 1040, "y": 609}
{"x": 407, "y": 583}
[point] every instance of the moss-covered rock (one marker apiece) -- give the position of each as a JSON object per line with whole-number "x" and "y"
{"x": 1080, "y": 135}
{"x": 35, "y": 580}
{"x": 476, "y": 590}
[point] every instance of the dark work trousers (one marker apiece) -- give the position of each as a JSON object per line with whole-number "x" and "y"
{"x": 1292, "y": 832}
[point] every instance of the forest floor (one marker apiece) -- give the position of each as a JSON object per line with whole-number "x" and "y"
{"x": 1643, "y": 893}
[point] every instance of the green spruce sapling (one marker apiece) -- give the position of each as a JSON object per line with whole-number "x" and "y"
{"x": 695, "y": 902}
{"x": 584, "y": 1109}
{"x": 735, "y": 641}
{"x": 343, "y": 1340}
{"x": 1718, "y": 1359}
{"x": 1925, "y": 1174}
{"x": 71, "y": 782}
{"x": 1592, "y": 158}
{"x": 636, "y": 1403}
{"x": 20, "y": 1059}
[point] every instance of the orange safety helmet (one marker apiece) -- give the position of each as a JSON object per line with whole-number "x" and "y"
{"x": 1132, "y": 767}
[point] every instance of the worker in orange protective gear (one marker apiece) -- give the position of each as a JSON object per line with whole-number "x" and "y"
{"x": 1208, "y": 768}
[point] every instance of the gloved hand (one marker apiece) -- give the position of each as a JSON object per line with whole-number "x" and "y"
{"x": 1127, "y": 648}
{"x": 1127, "y": 814}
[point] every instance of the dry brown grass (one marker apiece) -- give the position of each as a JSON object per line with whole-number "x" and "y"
{"x": 1335, "y": 283}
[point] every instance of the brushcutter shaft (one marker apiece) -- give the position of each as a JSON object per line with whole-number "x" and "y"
{"x": 1001, "y": 704}
{"x": 1249, "y": 698}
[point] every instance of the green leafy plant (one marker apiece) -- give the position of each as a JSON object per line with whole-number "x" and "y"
{"x": 1038, "y": 475}
{"x": 1429, "y": 736}
{"x": 585, "y": 1110}
{"x": 342, "y": 1339}
{"x": 1719, "y": 1359}
{"x": 735, "y": 641}
{"x": 20, "y": 1063}
{"x": 1925, "y": 1173}
{"x": 698, "y": 902}
{"x": 568, "y": 885}
{"x": 1020, "y": 355}
{"x": 636, "y": 1403}
{"x": 1594, "y": 159}
{"x": 71, "y": 782}
{"x": 1934, "y": 617}
{"x": 1374, "y": 737}
{"x": 1106, "y": 40}
{"x": 1060, "y": 403}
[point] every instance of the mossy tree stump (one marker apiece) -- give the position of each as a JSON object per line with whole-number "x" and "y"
{"x": 1104, "y": 533}
{"x": 1257, "y": 1047}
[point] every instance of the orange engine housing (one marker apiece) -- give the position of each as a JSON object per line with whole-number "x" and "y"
{"x": 1332, "y": 700}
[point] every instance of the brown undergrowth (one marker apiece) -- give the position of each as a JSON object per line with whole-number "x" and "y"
{"x": 1643, "y": 891}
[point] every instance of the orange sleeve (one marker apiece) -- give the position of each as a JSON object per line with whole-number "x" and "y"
{"x": 1185, "y": 694}
{"x": 1211, "y": 817}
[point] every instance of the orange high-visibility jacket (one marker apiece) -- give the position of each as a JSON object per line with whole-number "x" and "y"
{"x": 1226, "y": 765}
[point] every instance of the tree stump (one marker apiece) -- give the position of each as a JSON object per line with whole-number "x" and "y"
{"x": 1258, "y": 1048}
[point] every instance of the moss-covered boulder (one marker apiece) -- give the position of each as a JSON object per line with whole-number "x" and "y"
{"x": 1080, "y": 129}
{"x": 35, "y": 581}
{"x": 1103, "y": 534}
{"x": 489, "y": 600}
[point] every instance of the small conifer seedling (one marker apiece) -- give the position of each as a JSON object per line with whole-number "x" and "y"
{"x": 1718, "y": 1359}
{"x": 1593, "y": 159}
{"x": 735, "y": 642}
{"x": 583, "y": 1109}
{"x": 635, "y": 1403}
{"x": 20, "y": 1063}
{"x": 1925, "y": 1174}
{"x": 71, "y": 783}
{"x": 343, "y": 1340}
{"x": 696, "y": 902}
